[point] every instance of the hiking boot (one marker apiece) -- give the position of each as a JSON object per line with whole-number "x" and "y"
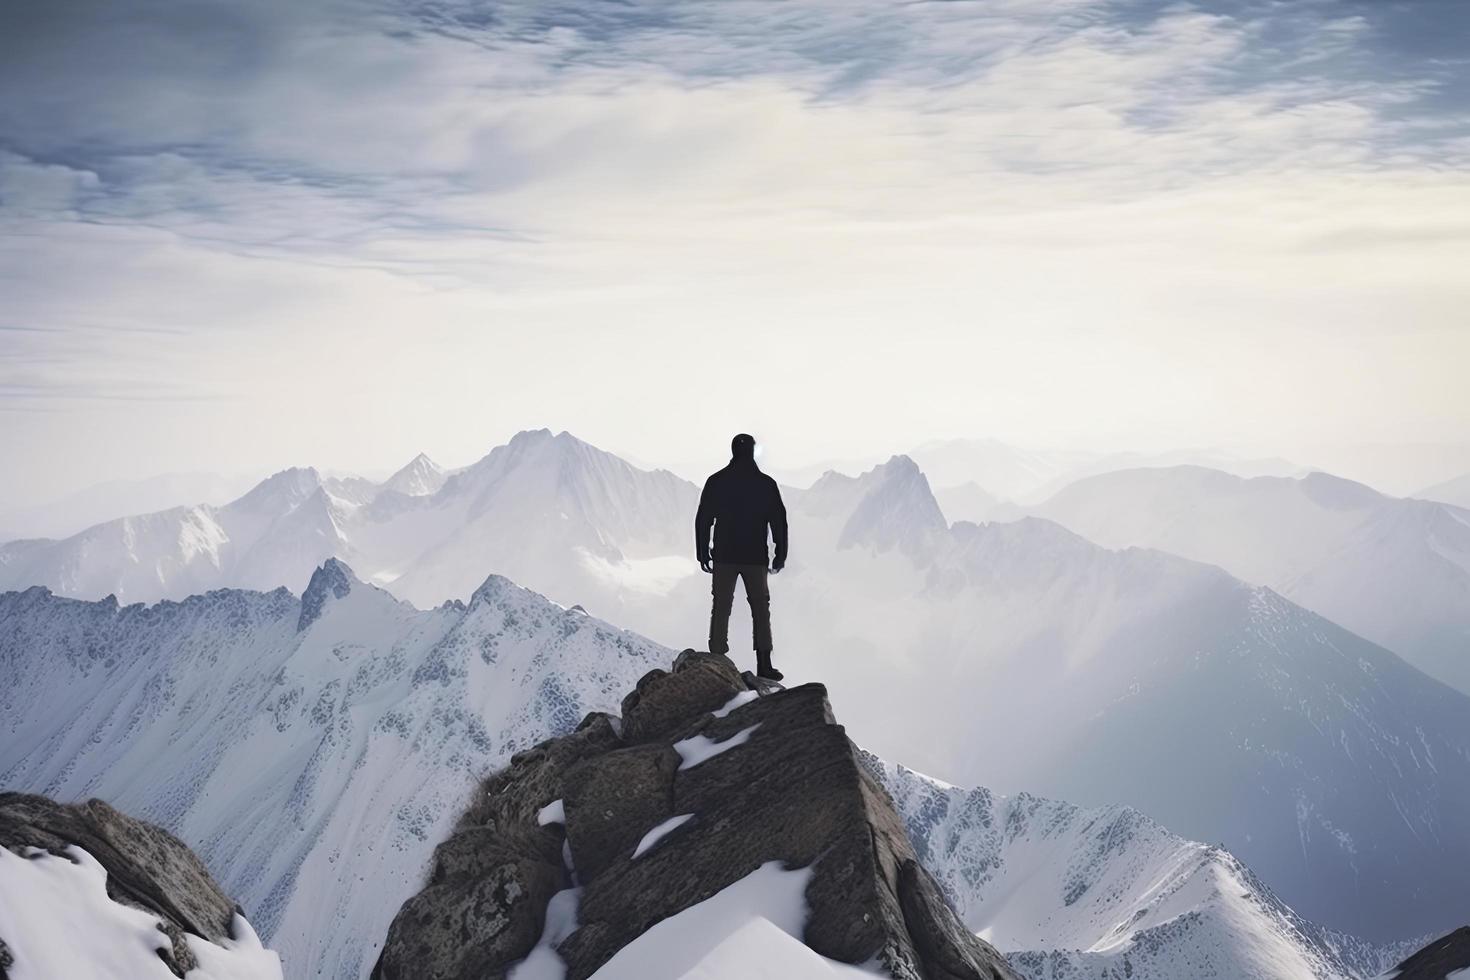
{"x": 767, "y": 672}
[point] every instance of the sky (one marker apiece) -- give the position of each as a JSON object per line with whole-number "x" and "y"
{"x": 236, "y": 237}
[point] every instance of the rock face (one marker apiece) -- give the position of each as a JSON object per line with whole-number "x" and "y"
{"x": 1439, "y": 960}
{"x": 754, "y": 778}
{"x": 147, "y": 867}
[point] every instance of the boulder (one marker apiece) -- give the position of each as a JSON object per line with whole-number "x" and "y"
{"x": 147, "y": 867}
{"x": 470, "y": 927}
{"x": 665, "y": 701}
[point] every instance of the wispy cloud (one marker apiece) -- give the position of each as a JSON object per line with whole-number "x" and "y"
{"x": 1065, "y": 184}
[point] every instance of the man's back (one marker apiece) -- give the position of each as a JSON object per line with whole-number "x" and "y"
{"x": 742, "y": 502}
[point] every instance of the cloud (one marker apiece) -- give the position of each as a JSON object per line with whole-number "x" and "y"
{"x": 1048, "y": 209}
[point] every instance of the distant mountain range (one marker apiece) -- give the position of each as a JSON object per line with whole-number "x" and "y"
{"x": 1023, "y": 656}
{"x": 1394, "y": 570}
{"x": 541, "y": 508}
{"x": 305, "y": 746}
{"x": 1132, "y": 677}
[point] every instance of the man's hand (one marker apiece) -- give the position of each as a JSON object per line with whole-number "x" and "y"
{"x": 776, "y": 567}
{"x": 706, "y": 567}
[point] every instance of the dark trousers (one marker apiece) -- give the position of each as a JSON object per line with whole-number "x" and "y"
{"x": 757, "y": 593}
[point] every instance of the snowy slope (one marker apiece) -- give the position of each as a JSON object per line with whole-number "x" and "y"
{"x": 749, "y": 931}
{"x": 301, "y": 747}
{"x": 1096, "y": 894}
{"x": 1393, "y": 570}
{"x": 304, "y": 747}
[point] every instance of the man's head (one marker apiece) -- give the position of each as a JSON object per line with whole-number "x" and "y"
{"x": 743, "y": 447}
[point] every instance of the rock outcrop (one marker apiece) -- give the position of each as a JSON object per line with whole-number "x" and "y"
{"x": 1445, "y": 957}
{"x": 737, "y": 774}
{"x": 147, "y": 867}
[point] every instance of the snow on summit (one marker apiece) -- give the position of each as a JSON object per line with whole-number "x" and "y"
{"x": 419, "y": 477}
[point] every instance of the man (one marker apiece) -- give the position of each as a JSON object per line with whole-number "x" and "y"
{"x": 741, "y": 502}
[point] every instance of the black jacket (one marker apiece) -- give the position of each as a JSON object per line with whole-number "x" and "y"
{"x": 740, "y": 502}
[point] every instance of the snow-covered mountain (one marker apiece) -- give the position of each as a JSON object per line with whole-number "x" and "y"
{"x": 1321, "y": 759}
{"x": 311, "y": 751}
{"x": 306, "y": 747}
{"x": 1396, "y": 571}
{"x": 547, "y": 510}
{"x": 273, "y": 535}
{"x": 1456, "y": 492}
{"x": 1136, "y": 677}
{"x": 1097, "y": 894}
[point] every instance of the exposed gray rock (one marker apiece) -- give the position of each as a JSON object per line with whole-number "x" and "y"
{"x": 485, "y": 902}
{"x": 1439, "y": 959}
{"x": 471, "y": 926}
{"x": 663, "y": 702}
{"x": 147, "y": 867}
{"x": 333, "y": 580}
{"x": 612, "y": 799}
{"x": 796, "y": 791}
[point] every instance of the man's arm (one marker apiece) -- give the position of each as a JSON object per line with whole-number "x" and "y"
{"x": 704, "y": 520}
{"x": 778, "y": 528}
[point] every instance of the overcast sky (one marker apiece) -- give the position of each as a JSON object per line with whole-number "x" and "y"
{"x": 239, "y": 236}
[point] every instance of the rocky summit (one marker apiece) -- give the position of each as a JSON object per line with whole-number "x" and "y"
{"x": 709, "y": 775}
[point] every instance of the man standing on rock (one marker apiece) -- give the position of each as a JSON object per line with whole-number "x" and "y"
{"x": 740, "y": 503}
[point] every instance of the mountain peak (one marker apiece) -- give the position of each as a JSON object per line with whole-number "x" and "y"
{"x": 494, "y": 587}
{"x": 897, "y": 510}
{"x": 333, "y": 580}
{"x": 287, "y": 487}
{"x": 539, "y": 437}
{"x": 419, "y": 477}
